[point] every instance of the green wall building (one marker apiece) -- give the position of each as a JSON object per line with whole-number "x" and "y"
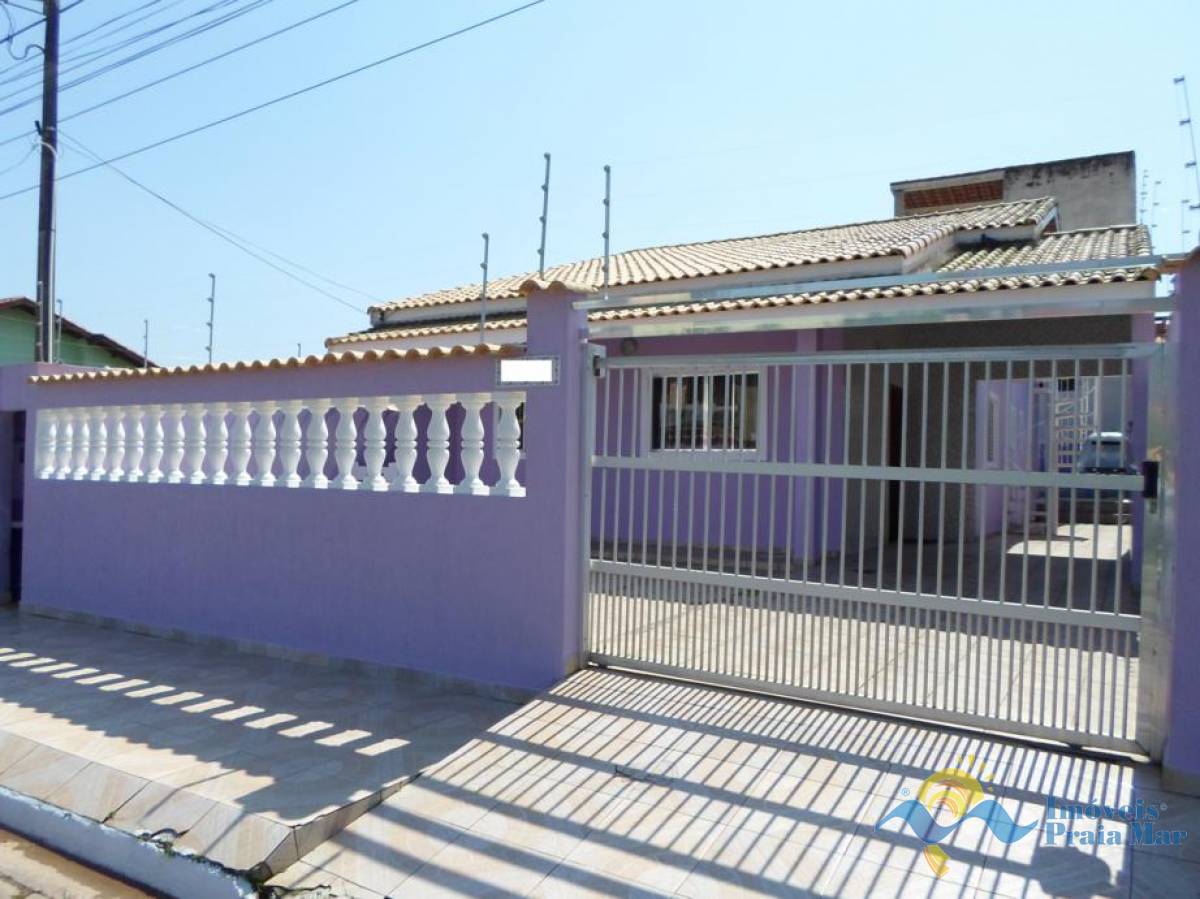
{"x": 76, "y": 346}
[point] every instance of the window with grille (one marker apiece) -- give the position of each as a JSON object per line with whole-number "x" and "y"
{"x": 704, "y": 411}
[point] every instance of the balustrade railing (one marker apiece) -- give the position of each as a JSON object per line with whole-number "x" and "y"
{"x": 375, "y": 443}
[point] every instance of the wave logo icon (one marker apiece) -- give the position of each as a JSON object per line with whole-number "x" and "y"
{"x": 944, "y": 802}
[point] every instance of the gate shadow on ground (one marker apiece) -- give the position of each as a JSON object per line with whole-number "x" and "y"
{"x": 619, "y": 784}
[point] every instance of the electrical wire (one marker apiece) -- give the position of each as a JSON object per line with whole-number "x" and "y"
{"x": 288, "y": 96}
{"x": 194, "y": 66}
{"x": 220, "y": 232}
{"x": 16, "y": 165}
{"x": 127, "y": 60}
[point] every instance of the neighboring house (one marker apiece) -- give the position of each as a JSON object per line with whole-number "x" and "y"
{"x": 76, "y": 344}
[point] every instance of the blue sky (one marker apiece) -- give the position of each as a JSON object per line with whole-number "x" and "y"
{"x": 719, "y": 119}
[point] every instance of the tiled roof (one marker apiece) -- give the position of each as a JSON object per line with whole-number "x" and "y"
{"x": 1063, "y": 247}
{"x": 341, "y": 358}
{"x": 890, "y": 237}
{"x": 939, "y": 288}
{"x": 436, "y": 329}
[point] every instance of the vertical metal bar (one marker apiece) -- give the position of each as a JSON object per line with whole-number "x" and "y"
{"x": 885, "y": 391}
{"x": 603, "y": 523}
{"x": 848, "y": 375}
{"x": 862, "y": 489}
{"x": 620, "y": 452}
{"x": 1098, "y": 495}
{"x": 1051, "y": 492}
{"x": 903, "y": 463}
{"x": 920, "y": 577}
{"x": 1070, "y": 600}
{"x": 1031, "y": 428}
{"x": 962, "y": 463}
{"x": 793, "y": 482}
{"x": 587, "y": 445}
{"x": 944, "y": 463}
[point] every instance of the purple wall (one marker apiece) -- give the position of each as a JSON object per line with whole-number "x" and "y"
{"x": 1181, "y": 756}
{"x": 484, "y": 588}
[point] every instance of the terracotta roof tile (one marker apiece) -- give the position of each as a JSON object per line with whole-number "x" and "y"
{"x": 889, "y": 237}
{"x": 312, "y": 361}
{"x": 1067, "y": 246}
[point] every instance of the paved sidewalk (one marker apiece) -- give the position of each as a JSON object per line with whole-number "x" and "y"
{"x": 617, "y": 784}
{"x": 249, "y": 761}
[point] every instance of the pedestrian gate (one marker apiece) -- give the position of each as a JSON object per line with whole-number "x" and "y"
{"x": 918, "y": 532}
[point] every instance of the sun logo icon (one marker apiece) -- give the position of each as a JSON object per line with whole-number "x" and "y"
{"x": 944, "y": 801}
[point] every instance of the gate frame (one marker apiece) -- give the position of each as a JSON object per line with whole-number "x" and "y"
{"x": 1153, "y": 618}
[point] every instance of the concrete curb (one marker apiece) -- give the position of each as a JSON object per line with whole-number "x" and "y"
{"x": 116, "y": 852}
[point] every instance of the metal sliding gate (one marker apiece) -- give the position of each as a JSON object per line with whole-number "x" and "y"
{"x": 951, "y": 534}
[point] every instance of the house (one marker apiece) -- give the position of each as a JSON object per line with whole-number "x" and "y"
{"x": 949, "y": 271}
{"x": 76, "y": 345}
{"x": 906, "y": 465}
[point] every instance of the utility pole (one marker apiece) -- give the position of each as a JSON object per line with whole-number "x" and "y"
{"x": 212, "y": 312}
{"x": 48, "y": 132}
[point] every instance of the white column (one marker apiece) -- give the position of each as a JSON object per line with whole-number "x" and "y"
{"x": 116, "y": 443}
{"x": 98, "y": 449}
{"x": 406, "y": 444}
{"x": 438, "y": 439}
{"x": 66, "y": 444}
{"x": 82, "y": 447}
{"x": 375, "y": 443}
{"x": 239, "y": 444}
{"x": 155, "y": 443}
{"x": 217, "y": 448}
{"x": 344, "y": 449}
{"x": 316, "y": 444}
{"x": 135, "y": 443}
{"x": 472, "y": 444}
{"x": 173, "y": 438}
{"x": 289, "y": 444}
{"x": 508, "y": 445}
{"x": 47, "y": 441}
{"x": 264, "y": 445}
{"x": 193, "y": 443}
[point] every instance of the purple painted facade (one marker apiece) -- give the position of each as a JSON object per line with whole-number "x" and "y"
{"x": 1181, "y": 756}
{"x": 478, "y": 587}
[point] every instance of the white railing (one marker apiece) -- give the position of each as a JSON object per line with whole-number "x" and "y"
{"x": 373, "y": 445}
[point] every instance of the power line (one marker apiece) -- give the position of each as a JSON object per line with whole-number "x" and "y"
{"x": 222, "y": 233}
{"x": 127, "y": 60}
{"x": 291, "y": 95}
{"x": 194, "y": 66}
{"x": 8, "y": 39}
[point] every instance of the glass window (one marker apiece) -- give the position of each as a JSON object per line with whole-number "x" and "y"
{"x": 704, "y": 412}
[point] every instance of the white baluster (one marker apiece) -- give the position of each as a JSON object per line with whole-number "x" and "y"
{"x": 472, "y": 444}
{"x": 66, "y": 444}
{"x": 264, "y": 445}
{"x": 438, "y": 442}
{"x": 116, "y": 443}
{"x": 375, "y": 443}
{"x": 316, "y": 444}
{"x": 135, "y": 443}
{"x": 508, "y": 445}
{"x": 289, "y": 444}
{"x": 194, "y": 443}
{"x": 82, "y": 447}
{"x": 173, "y": 438}
{"x": 239, "y": 444}
{"x": 344, "y": 450}
{"x": 47, "y": 442}
{"x": 406, "y": 444}
{"x": 155, "y": 444}
{"x": 217, "y": 448}
{"x": 98, "y": 447}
